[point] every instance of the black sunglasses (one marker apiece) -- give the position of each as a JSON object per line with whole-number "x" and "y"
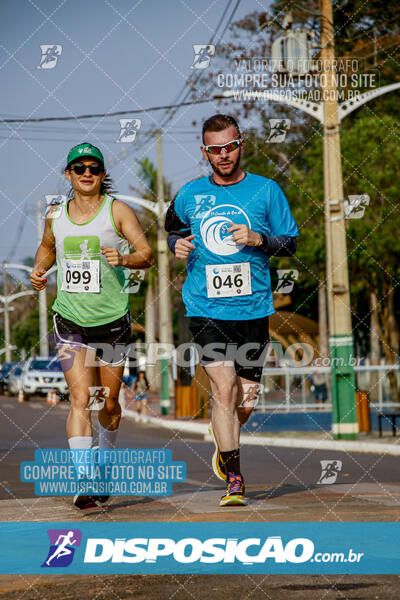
{"x": 80, "y": 168}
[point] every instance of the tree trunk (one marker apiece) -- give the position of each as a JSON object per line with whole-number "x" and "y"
{"x": 375, "y": 348}
{"x": 150, "y": 333}
{"x": 393, "y": 326}
{"x": 393, "y": 331}
{"x": 386, "y": 317}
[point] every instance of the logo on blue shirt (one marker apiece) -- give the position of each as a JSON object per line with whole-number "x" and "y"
{"x": 203, "y": 204}
{"x": 215, "y": 225}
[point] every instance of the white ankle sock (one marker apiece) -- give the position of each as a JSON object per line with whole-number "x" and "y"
{"x": 107, "y": 439}
{"x": 81, "y": 442}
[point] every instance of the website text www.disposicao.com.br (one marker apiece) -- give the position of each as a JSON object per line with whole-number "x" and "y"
{"x": 247, "y": 551}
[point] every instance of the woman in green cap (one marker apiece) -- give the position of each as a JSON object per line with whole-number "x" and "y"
{"x": 89, "y": 238}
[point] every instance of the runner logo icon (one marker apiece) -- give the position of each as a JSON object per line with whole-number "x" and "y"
{"x": 202, "y": 55}
{"x": 62, "y": 547}
{"x": 128, "y": 130}
{"x": 279, "y": 129}
{"x": 330, "y": 470}
{"x": 215, "y": 225}
{"x": 286, "y": 279}
{"x": 50, "y": 55}
{"x": 203, "y": 204}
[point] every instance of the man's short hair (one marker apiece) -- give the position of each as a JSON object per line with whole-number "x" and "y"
{"x": 219, "y": 122}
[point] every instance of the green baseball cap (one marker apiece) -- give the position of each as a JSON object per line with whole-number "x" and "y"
{"x": 87, "y": 150}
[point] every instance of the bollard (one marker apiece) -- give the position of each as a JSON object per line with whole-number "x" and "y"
{"x": 51, "y": 397}
{"x": 165, "y": 402}
{"x": 21, "y": 395}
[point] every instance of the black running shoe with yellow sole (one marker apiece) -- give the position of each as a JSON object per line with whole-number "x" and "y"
{"x": 235, "y": 490}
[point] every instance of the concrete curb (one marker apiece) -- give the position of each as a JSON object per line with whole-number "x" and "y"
{"x": 256, "y": 440}
{"x": 185, "y": 426}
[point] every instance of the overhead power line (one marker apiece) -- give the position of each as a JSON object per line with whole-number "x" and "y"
{"x": 211, "y": 40}
{"x": 190, "y": 85}
{"x": 113, "y": 114}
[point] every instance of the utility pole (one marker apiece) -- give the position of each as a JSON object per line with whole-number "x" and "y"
{"x": 345, "y": 424}
{"x": 164, "y": 305}
{"x": 43, "y": 329}
{"x": 162, "y": 250}
{"x": 6, "y": 316}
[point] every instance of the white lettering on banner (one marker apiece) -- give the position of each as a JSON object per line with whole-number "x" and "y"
{"x": 159, "y": 547}
{"x": 106, "y": 546}
{"x": 273, "y": 548}
{"x": 214, "y": 547}
{"x": 190, "y": 550}
{"x": 181, "y": 547}
{"x": 242, "y": 547}
{"x": 135, "y": 552}
{"x": 291, "y": 547}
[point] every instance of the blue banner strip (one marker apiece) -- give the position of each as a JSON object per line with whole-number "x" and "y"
{"x": 142, "y": 548}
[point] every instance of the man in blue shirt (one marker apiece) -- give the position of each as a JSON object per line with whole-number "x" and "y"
{"x": 227, "y": 226}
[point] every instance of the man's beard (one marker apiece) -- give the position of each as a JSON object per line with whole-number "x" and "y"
{"x": 226, "y": 174}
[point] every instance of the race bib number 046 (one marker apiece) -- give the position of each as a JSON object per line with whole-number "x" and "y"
{"x": 225, "y": 281}
{"x": 81, "y": 276}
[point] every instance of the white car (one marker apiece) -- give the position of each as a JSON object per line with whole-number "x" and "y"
{"x": 41, "y": 374}
{"x": 14, "y": 379}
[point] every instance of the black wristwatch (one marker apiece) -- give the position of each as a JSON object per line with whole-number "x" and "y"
{"x": 265, "y": 245}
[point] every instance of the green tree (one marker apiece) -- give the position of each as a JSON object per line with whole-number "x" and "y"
{"x": 147, "y": 174}
{"x": 25, "y": 332}
{"x": 370, "y": 158}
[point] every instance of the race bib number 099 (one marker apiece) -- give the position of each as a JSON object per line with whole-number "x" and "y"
{"x": 224, "y": 281}
{"x": 81, "y": 276}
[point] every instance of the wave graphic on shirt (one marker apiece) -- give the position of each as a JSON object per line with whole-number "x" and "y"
{"x": 214, "y": 231}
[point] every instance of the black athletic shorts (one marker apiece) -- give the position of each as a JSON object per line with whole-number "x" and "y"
{"x": 111, "y": 341}
{"x": 242, "y": 342}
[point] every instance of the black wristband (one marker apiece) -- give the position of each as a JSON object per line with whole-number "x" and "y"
{"x": 281, "y": 245}
{"x": 264, "y": 245}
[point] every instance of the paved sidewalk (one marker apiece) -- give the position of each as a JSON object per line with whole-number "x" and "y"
{"x": 370, "y": 443}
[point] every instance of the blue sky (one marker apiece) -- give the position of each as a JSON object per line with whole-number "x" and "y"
{"x": 116, "y": 55}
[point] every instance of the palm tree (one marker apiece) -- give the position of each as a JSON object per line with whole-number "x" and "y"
{"x": 147, "y": 173}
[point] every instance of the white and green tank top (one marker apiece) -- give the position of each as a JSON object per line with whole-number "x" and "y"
{"x": 90, "y": 292}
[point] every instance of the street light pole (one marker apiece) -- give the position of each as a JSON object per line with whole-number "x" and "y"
{"x": 339, "y": 309}
{"x": 6, "y": 317}
{"x": 329, "y": 114}
{"x": 162, "y": 249}
{"x": 42, "y": 297}
{"x": 162, "y": 252}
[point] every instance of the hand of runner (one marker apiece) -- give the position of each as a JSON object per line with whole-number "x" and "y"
{"x": 183, "y": 247}
{"x": 113, "y": 257}
{"x": 37, "y": 281}
{"x": 243, "y": 235}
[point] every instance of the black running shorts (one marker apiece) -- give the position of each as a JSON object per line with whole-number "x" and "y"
{"x": 111, "y": 341}
{"x": 242, "y": 342}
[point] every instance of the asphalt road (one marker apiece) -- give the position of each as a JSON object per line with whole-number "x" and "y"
{"x": 281, "y": 486}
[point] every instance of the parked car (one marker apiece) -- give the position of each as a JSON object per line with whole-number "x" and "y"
{"x": 41, "y": 374}
{"x": 5, "y": 371}
{"x": 14, "y": 379}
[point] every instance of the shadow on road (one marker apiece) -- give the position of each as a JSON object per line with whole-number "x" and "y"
{"x": 280, "y": 490}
